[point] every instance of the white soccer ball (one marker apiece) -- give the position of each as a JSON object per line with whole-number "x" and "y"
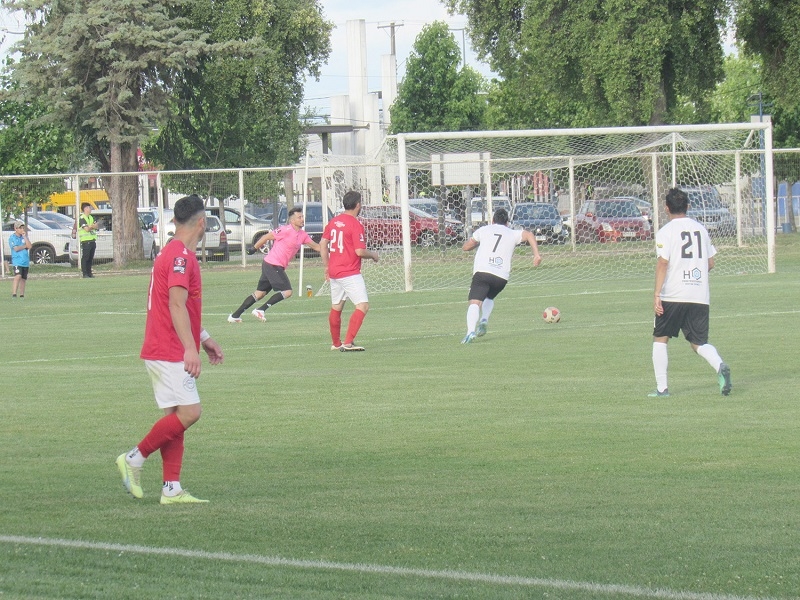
{"x": 551, "y": 315}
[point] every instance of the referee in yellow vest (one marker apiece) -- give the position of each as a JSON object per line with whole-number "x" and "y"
{"x": 87, "y": 234}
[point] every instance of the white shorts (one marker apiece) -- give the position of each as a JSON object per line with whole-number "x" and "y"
{"x": 172, "y": 385}
{"x": 351, "y": 288}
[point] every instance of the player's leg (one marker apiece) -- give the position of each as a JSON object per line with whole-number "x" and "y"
{"x": 279, "y": 282}
{"x": 486, "y": 311}
{"x": 356, "y": 290}
{"x": 666, "y": 325}
{"x": 696, "y": 333}
{"x": 262, "y": 288}
{"x": 478, "y": 291}
{"x": 335, "y": 316}
{"x": 15, "y": 282}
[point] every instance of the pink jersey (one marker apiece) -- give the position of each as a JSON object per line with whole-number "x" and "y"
{"x": 287, "y": 243}
{"x": 174, "y": 266}
{"x": 346, "y": 235}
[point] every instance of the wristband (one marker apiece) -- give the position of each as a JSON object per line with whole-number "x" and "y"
{"x": 204, "y": 335}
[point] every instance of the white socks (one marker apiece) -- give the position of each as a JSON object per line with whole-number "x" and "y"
{"x": 711, "y": 355}
{"x": 171, "y": 488}
{"x": 487, "y": 308}
{"x": 473, "y": 314}
{"x": 660, "y": 363}
{"x": 135, "y": 458}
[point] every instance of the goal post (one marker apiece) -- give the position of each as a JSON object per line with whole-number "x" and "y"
{"x": 607, "y": 185}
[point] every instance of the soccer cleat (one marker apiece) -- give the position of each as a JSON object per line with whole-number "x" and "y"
{"x": 657, "y": 394}
{"x": 470, "y": 337}
{"x": 351, "y": 348}
{"x": 334, "y": 347}
{"x": 259, "y": 314}
{"x": 724, "y": 377}
{"x": 183, "y": 497}
{"x": 130, "y": 476}
{"x": 232, "y": 319}
{"x": 480, "y": 331}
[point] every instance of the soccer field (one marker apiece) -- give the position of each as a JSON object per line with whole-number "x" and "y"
{"x": 530, "y": 464}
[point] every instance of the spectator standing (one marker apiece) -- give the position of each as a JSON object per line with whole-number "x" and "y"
{"x": 342, "y": 247}
{"x": 682, "y": 294}
{"x": 87, "y": 234}
{"x": 20, "y": 258}
{"x": 286, "y": 243}
{"x": 492, "y": 268}
{"x": 172, "y": 339}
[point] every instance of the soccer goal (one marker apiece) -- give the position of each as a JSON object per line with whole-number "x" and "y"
{"x": 592, "y": 197}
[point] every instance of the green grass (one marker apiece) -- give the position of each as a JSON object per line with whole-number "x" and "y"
{"x": 533, "y": 454}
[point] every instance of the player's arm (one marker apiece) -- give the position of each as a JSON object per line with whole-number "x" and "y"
{"x": 212, "y": 348}
{"x": 470, "y": 244}
{"x": 527, "y": 236}
{"x": 661, "y": 276}
{"x": 364, "y": 253}
{"x": 710, "y": 263}
{"x": 180, "y": 321}
{"x": 324, "y": 254}
{"x": 314, "y": 246}
{"x": 269, "y": 236}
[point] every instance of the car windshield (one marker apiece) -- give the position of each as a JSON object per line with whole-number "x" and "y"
{"x": 535, "y": 211}
{"x": 703, "y": 200}
{"x": 616, "y": 210}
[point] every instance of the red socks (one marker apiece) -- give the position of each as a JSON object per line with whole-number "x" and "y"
{"x": 356, "y": 319}
{"x": 166, "y": 435}
{"x": 335, "y": 323}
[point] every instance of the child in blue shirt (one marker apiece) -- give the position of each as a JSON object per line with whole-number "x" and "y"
{"x": 20, "y": 258}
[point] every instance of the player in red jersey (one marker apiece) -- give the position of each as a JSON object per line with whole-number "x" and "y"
{"x": 342, "y": 247}
{"x": 171, "y": 351}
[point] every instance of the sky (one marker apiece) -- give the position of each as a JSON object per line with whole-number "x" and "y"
{"x": 410, "y": 16}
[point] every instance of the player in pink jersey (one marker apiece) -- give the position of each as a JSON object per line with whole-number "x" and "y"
{"x": 287, "y": 241}
{"x": 172, "y": 338}
{"x": 343, "y": 245}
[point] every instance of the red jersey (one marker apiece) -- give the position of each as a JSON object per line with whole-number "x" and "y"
{"x": 174, "y": 266}
{"x": 345, "y": 234}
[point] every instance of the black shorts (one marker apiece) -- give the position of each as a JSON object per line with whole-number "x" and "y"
{"x": 273, "y": 278}
{"x": 688, "y": 317}
{"x": 21, "y": 271}
{"x": 485, "y": 285}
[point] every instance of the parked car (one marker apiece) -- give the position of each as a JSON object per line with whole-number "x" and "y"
{"x": 253, "y": 227}
{"x": 644, "y": 206}
{"x": 542, "y": 219}
{"x": 53, "y": 219}
{"x": 48, "y": 245}
{"x": 384, "y": 227}
{"x": 706, "y": 207}
{"x": 611, "y": 220}
{"x": 479, "y": 209}
{"x": 431, "y": 206}
{"x": 215, "y": 240}
{"x": 105, "y": 239}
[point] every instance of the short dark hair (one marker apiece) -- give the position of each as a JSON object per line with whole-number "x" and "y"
{"x": 351, "y": 200}
{"x": 677, "y": 201}
{"x": 187, "y": 208}
{"x": 294, "y": 210}
{"x": 500, "y": 216}
{"x": 84, "y": 205}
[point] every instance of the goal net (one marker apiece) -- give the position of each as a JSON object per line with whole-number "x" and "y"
{"x": 592, "y": 197}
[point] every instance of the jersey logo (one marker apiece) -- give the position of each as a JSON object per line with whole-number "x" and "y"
{"x": 179, "y": 265}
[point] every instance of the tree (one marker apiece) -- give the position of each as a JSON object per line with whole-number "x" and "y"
{"x": 239, "y": 112}
{"x": 106, "y": 66}
{"x": 599, "y": 62}
{"x": 434, "y": 94}
{"x": 770, "y": 29}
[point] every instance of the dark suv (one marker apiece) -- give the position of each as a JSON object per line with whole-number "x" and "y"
{"x": 542, "y": 219}
{"x": 314, "y": 225}
{"x": 706, "y": 207}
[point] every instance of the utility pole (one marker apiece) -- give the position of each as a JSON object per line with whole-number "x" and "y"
{"x": 463, "y": 45}
{"x": 391, "y": 26}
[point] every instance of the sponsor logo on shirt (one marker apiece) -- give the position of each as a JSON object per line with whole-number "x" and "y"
{"x": 179, "y": 265}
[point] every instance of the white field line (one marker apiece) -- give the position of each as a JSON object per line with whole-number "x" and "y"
{"x": 456, "y": 576}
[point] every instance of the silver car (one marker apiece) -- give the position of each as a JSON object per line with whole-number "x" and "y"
{"x": 48, "y": 245}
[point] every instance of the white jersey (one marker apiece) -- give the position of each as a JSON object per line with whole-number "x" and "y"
{"x": 686, "y": 245}
{"x": 496, "y": 249}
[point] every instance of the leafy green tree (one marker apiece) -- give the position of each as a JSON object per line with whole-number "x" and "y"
{"x": 244, "y": 112}
{"x": 599, "y": 62}
{"x": 107, "y": 67}
{"x": 770, "y": 29}
{"x": 434, "y": 94}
